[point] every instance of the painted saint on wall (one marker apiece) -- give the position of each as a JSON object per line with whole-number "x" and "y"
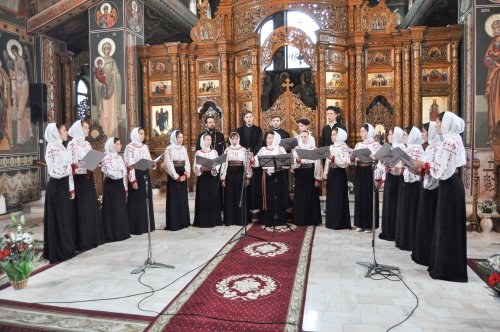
{"x": 134, "y": 15}
{"x": 107, "y": 85}
{"x": 492, "y": 61}
{"x": 107, "y": 15}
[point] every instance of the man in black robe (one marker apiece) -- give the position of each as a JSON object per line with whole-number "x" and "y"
{"x": 332, "y": 117}
{"x": 251, "y": 139}
{"x": 276, "y": 127}
{"x": 218, "y": 143}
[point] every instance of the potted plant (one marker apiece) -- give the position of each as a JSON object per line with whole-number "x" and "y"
{"x": 17, "y": 254}
{"x": 350, "y": 187}
{"x": 492, "y": 268}
{"x": 487, "y": 208}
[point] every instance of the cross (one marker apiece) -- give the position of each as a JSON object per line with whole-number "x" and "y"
{"x": 287, "y": 85}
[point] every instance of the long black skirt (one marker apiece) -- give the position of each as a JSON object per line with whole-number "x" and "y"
{"x": 407, "y": 216}
{"x": 114, "y": 211}
{"x": 255, "y": 190}
{"x": 424, "y": 228}
{"x": 276, "y": 199}
{"x": 448, "y": 257}
{"x": 177, "y": 214}
{"x": 58, "y": 233}
{"x": 207, "y": 205}
{"x": 136, "y": 205}
{"x": 232, "y": 194}
{"x": 390, "y": 207}
{"x": 337, "y": 200}
{"x": 307, "y": 208}
{"x": 363, "y": 199}
{"x": 87, "y": 216}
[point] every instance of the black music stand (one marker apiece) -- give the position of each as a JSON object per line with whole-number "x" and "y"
{"x": 373, "y": 265}
{"x": 243, "y": 204}
{"x": 144, "y": 165}
{"x": 277, "y": 161}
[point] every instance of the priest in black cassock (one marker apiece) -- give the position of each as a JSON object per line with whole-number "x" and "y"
{"x": 218, "y": 142}
{"x": 251, "y": 139}
{"x": 333, "y": 118}
{"x": 276, "y": 127}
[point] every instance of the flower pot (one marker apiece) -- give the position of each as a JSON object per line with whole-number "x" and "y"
{"x": 486, "y": 222}
{"x": 19, "y": 284}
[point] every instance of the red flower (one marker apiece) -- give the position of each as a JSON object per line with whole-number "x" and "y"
{"x": 494, "y": 279}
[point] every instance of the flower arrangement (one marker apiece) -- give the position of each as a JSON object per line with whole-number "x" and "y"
{"x": 350, "y": 186}
{"x": 492, "y": 268}
{"x": 17, "y": 252}
{"x": 487, "y": 207}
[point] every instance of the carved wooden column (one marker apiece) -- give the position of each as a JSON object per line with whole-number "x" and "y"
{"x": 69, "y": 89}
{"x": 225, "y": 92}
{"x": 195, "y": 126}
{"x": 454, "y": 77}
{"x": 256, "y": 91}
{"x": 352, "y": 96}
{"x": 231, "y": 112}
{"x": 176, "y": 116}
{"x": 184, "y": 95}
{"x": 321, "y": 84}
{"x": 398, "y": 119}
{"x": 145, "y": 92}
{"x": 406, "y": 86}
{"x": 360, "y": 118}
{"x": 417, "y": 34}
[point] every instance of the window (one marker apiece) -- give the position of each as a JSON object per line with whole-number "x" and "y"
{"x": 82, "y": 99}
{"x": 291, "y": 54}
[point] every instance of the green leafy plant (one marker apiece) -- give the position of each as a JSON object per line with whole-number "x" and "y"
{"x": 17, "y": 252}
{"x": 487, "y": 207}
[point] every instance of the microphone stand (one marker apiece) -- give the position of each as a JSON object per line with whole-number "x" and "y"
{"x": 150, "y": 262}
{"x": 373, "y": 266}
{"x": 243, "y": 204}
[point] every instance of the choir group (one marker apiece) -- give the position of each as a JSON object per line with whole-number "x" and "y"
{"x": 423, "y": 208}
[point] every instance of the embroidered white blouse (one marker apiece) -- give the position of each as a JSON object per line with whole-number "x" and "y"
{"x": 235, "y": 153}
{"x": 342, "y": 156}
{"x": 317, "y": 163}
{"x": 114, "y": 168}
{"x": 374, "y": 146}
{"x": 210, "y": 154}
{"x": 79, "y": 148}
{"x": 176, "y": 153}
{"x": 59, "y": 161}
{"x": 268, "y": 151}
{"x": 133, "y": 153}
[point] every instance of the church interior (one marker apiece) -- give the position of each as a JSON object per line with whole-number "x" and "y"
{"x": 167, "y": 65}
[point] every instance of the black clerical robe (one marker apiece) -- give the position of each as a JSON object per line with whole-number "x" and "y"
{"x": 326, "y": 134}
{"x": 250, "y": 138}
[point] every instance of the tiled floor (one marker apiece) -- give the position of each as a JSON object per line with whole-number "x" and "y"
{"x": 339, "y": 298}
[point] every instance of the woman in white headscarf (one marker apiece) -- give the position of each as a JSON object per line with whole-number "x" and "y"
{"x": 308, "y": 177}
{"x": 273, "y": 182}
{"x": 136, "y": 202}
{"x": 427, "y": 202}
{"x": 448, "y": 256}
{"x": 207, "y": 204}
{"x": 232, "y": 170}
{"x": 363, "y": 183}
{"x": 87, "y": 216}
{"x": 114, "y": 196}
{"x": 59, "y": 241}
{"x": 338, "y": 215}
{"x": 178, "y": 170}
{"x": 408, "y": 199}
{"x": 393, "y": 180}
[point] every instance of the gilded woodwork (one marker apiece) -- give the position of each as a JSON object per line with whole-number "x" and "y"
{"x": 454, "y": 77}
{"x": 417, "y": 99}
{"x": 380, "y": 115}
{"x": 406, "y": 85}
{"x": 352, "y": 100}
{"x": 398, "y": 121}
{"x": 359, "y": 86}
{"x": 378, "y": 19}
{"x": 69, "y": 90}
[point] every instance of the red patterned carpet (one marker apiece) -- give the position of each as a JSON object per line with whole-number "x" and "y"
{"x": 250, "y": 285}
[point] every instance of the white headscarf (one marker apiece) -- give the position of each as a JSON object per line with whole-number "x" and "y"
{"x": 109, "y": 147}
{"x": 202, "y": 142}
{"x": 52, "y": 134}
{"x": 276, "y": 140}
{"x": 310, "y": 144}
{"x": 415, "y": 137}
{"x": 134, "y": 136}
{"x": 341, "y": 137}
{"x": 451, "y": 128}
{"x": 397, "y": 137}
{"x": 432, "y": 136}
{"x": 173, "y": 139}
{"x": 237, "y": 144}
{"x": 76, "y": 130}
{"x": 371, "y": 132}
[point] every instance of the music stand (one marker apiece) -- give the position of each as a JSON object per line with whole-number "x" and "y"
{"x": 243, "y": 204}
{"x": 143, "y": 165}
{"x": 276, "y": 161}
{"x": 373, "y": 265}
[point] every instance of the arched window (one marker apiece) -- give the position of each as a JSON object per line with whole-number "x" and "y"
{"x": 192, "y": 6}
{"x": 82, "y": 99}
{"x": 288, "y": 54}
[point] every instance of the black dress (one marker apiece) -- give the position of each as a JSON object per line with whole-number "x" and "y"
{"x": 337, "y": 200}
{"x": 232, "y": 194}
{"x": 390, "y": 207}
{"x": 407, "y": 215}
{"x": 114, "y": 211}
{"x": 363, "y": 196}
{"x": 276, "y": 198}
{"x": 448, "y": 256}
{"x": 58, "y": 232}
{"x": 136, "y": 205}
{"x": 207, "y": 205}
{"x": 177, "y": 214}
{"x": 424, "y": 228}
{"x": 87, "y": 216}
{"x": 307, "y": 208}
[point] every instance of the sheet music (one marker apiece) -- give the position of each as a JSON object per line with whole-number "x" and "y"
{"x": 92, "y": 159}
{"x": 143, "y": 164}
{"x": 210, "y": 163}
{"x": 316, "y": 154}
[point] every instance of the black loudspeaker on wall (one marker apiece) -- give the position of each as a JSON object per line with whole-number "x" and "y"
{"x": 38, "y": 102}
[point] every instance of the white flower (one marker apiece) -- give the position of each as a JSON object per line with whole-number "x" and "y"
{"x": 494, "y": 261}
